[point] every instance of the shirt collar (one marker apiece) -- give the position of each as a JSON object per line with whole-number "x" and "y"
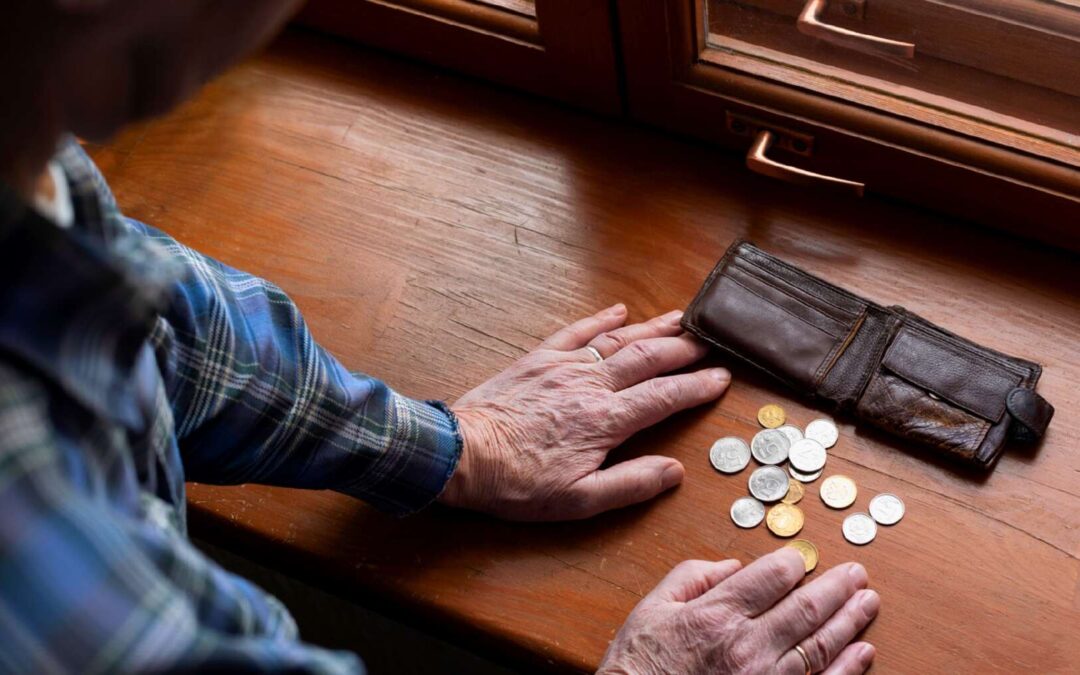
{"x": 77, "y": 304}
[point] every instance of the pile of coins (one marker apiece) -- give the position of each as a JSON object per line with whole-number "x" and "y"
{"x": 806, "y": 452}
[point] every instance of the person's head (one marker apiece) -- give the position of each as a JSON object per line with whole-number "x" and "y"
{"x": 92, "y": 66}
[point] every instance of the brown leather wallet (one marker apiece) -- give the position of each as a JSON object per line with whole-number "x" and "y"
{"x": 888, "y": 366}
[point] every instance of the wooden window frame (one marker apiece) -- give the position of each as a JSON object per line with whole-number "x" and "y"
{"x": 565, "y": 51}
{"x": 671, "y": 82}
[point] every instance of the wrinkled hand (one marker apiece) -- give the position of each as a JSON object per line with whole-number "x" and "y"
{"x": 536, "y": 433}
{"x": 715, "y": 617}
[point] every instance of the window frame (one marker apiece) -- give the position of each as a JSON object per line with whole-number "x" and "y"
{"x": 672, "y": 83}
{"x": 566, "y": 51}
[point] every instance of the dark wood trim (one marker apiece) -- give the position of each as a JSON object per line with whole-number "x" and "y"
{"x": 567, "y": 52}
{"x": 668, "y": 84}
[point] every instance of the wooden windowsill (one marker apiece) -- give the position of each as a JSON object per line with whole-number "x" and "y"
{"x": 434, "y": 229}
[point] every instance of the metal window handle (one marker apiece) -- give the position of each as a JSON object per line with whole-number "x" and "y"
{"x": 810, "y": 23}
{"x": 758, "y": 162}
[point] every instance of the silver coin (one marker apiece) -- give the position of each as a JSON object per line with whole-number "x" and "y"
{"x": 823, "y": 431}
{"x": 859, "y": 529}
{"x": 793, "y": 433}
{"x": 768, "y": 483}
{"x": 770, "y": 446}
{"x": 807, "y": 455}
{"x": 804, "y": 477}
{"x": 730, "y": 455}
{"x": 887, "y": 508}
{"x": 747, "y": 512}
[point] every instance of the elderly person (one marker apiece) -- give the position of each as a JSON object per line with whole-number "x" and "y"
{"x": 130, "y": 363}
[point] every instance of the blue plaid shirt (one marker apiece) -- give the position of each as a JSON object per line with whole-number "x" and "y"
{"x": 129, "y": 363}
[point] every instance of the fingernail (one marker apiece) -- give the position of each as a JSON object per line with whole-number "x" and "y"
{"x": 673, "y": 316}
{"x": 720, "y": 374}
{"x": 672, "y": 476}
{"x": 870, "y": 603}
{"x": 617, "y": 309}
{"x": 866, "y": 654}
{"x": 858, "y": 574}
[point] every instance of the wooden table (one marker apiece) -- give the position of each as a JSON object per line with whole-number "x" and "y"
{"x": 434, "y": 229}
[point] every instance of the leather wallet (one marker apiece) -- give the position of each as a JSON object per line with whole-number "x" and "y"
{"x": 887, "y": 366}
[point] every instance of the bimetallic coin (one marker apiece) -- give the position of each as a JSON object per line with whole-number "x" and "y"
{"x": 795, "y": 492}
{"x": 808, "y": 552}
{"x": 768, "y": 483}
{"x": 823, "y": 431}
{"x": 771, "y": 416}
{"x": 838, "y": 491}
{"x": 807, "y": 455}
{"x": 730, "y": 455}
{"x": 747, "y": 512}
{"x": 785, "y": 520}
{"x": 859, "y": 529}
{"x": 770, "y": 446}
{"x": 804, "y": 477}
{"x": 887, "y": 508}
{"x": 793, "y": 433}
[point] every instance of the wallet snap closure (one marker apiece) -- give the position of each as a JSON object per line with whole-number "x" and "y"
{"x": 1032, "y": 413}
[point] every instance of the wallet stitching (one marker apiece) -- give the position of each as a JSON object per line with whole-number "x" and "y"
{"x": 890, "y": 330}
{"x": 742, "y": 357}
{"x": 1019, "y": 367}
{"x": 781, "y": 308}
{"x": 848, "y": 315}
{"x": 710, "y": 280}
{"x": 754, "y": 251}
{"x": 834, "y": 357}
{"x": 728, "y": 275}
{"x": 965, "y": 357}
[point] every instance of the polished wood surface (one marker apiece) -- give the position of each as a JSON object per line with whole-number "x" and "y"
{"x": 435, "y": 229}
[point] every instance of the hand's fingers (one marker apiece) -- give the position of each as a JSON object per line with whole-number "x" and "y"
{"x": 854, "y": 660}
{"x": 761, "y": 584}
{"x": 807, "y": 608}
{"x": 578, "y": 334}
{"x": 612, "y": 341}
{"x": 825, "y": 644}
{"x": 623, "y": 484}
{"x": 647, "y": 403}
{"x": 690, "y": 578}
{"x": 645, "y": 359}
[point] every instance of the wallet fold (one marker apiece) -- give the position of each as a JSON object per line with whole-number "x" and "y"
{"x": 888, "y": 366}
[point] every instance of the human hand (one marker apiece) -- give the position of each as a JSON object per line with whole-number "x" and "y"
{"x": 536, "y": 433}
{"x": 716, "y": 617}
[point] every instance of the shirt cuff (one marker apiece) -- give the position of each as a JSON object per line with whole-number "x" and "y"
{"x": 421, "y": 453}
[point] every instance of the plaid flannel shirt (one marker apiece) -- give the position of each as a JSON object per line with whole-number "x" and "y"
{"x": 127, "y": 363}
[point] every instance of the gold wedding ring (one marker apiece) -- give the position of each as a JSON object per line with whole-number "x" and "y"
{"x": 596, "y": 354}
{"x": 805, "y": 659}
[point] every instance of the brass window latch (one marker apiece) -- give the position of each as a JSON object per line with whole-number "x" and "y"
{"x": 767, "y": 137}
{"x": 810, "y": 23}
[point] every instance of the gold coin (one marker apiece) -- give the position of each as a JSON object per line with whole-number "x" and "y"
{"x": 838, "y": 491}
{"x": 785, "y": 520}
{"x": 808, "y": 552}
{"x": 771, "y": 416}
{"x": 795, "y": 492}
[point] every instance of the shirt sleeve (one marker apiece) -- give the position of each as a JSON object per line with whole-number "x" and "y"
{"x": 255, "y": 399}
{"x": 86, "y": 588}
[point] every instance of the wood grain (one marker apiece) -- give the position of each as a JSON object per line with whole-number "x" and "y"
{"x": 435, "y": 229}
